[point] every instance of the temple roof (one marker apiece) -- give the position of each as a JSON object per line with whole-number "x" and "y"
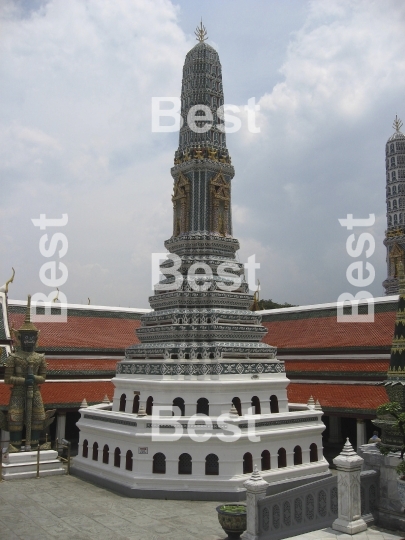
{"x": 67, "y": 394}
{"x": 316, "y": 328}
{"x": 347, "y": 359}
{"x": 88, "y": 329}
{"x": 346, "y": 398}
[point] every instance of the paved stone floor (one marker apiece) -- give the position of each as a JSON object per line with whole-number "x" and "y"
{"x": 68, "y": 508}
{"x": 372, "y": 533}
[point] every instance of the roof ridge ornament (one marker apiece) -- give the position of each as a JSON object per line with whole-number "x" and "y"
{"x": 201, "y": 33}
{"x": 397, "y": 124}
{"x": 4, "y": 288}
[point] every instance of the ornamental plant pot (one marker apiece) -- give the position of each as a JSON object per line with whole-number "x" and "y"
{"x": 232, "y": 518}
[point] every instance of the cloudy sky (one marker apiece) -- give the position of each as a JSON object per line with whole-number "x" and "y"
{"x": 77, "y": 80}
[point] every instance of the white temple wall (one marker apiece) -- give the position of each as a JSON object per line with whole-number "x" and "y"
{"x": 220, "y": 395}
{"x": 230, "y": 454}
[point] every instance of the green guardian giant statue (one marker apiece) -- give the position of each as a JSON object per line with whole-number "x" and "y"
{"x": 26, "y": 370}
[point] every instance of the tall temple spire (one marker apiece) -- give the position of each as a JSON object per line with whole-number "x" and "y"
{"x": 395, "y": 381}
{"x": 202, "y": 316}
{"x": 395, "y": 199}
{"x": 396, "y": 370}
{"x": 200, "y": 348}
{"x": 202, "y": 95}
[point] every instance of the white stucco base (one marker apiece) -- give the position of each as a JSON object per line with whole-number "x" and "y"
{"x": 24, "y": 465}
{"x": 145, "y": 436}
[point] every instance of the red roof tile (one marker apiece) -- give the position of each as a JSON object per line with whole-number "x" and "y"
{"x": 63, "y": 364}
{"x": 341, "y": 396}
{"x": 369, "y": 366}
{"x": 326, "y": 332}
{"x": 67, "y": 393}
{"x": 84, "y": 332}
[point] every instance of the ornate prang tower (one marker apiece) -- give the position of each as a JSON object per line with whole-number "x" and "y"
{"x": 395, "y": 233}
{"x": 200, "y": 353}
{"x": 200, "y": 319}
{"x": 395, "y": 381}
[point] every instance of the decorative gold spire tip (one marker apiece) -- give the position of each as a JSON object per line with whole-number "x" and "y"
{"x": 397, "y": 124}
{"x": 201, "y": 33}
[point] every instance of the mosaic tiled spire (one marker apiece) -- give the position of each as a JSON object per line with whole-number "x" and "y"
{"x": 395, "y": 199}
{"x": 395, "y": 382}
{"x": 211, "y": 323}
{"x": 396, "y": 373}
{"x": 202, "y": 85}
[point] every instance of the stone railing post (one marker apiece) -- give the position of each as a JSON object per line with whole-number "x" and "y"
{"x": 256, "y": 488}
{"x": 348, "y": 465}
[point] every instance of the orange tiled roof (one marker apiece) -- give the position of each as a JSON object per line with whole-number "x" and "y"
{"x": 67, "y": 393}
{"x": 99, "y": 333}
{"x": 326, "y": 332}
{"x": 369, "y": 366}
{"x": 339, "y": 396}
{"x": 63, "y": 364}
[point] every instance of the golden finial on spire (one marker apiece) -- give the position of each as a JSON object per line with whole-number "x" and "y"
{"x": 201, "y": 32}
{"x": 397, "y": 124}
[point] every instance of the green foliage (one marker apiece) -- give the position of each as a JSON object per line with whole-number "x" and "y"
{"x": 385, "y": 449}
{"x": 233, "y": 508}
{"x": 393, "y": 408}
{"x": 269, "y": 304}
{"x": 401, "y": 470}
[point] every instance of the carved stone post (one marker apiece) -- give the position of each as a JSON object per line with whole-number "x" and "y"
{"x": 335, "y": 430}
{"x": 256, "y": 488}
{"x": 361, "y": 432}
{"x": 348, "y": 465}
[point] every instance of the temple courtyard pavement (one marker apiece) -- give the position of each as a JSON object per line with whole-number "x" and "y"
{"x": 68, "y": 508}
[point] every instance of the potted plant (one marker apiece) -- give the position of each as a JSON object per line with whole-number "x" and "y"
{"x": 232, "y": 518}
{"x": 394, "y": 409}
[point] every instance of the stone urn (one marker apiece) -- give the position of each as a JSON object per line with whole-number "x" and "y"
{"x": 232, "y": 518}
{"x": 400, "y": 470}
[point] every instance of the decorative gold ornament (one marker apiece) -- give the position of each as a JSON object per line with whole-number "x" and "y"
{"x": 255, "y": 304}
{"x": 397, "y": 124}
{"x": 212, "y": 154}
{"x": 399, "y": 231}
{"x": 220, "y": 204}
{"x": 199, "y": 153}
{"x": 181, "y": 205}
{"x": 396, "y": 257}
{"x": 201, "y": 33}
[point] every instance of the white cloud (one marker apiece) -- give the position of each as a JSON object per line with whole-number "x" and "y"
{"x": 75, "y": 136}
{"x": 320, "y": 152}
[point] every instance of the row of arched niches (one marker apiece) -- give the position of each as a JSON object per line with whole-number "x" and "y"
{"x": 185, "y": 463}
{"x": 202, "y": 405}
